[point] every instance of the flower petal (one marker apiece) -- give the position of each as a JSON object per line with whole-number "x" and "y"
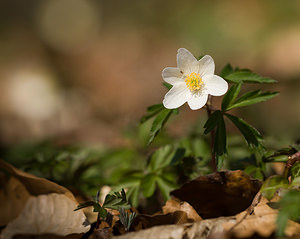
{"x": 186, "y": 62}
{"x": 197, "y": 102}
{"x": 172, "y": 75}
{"x": 177, "y": 96}
{"x": 215, "y": 85}
{"x": 207, "y": 66}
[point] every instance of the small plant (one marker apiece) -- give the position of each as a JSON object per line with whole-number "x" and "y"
{"x": 193, "y": 81}
{"x": 116, "y": 201}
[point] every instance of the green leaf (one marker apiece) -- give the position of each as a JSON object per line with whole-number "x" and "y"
{"x": 251, "y": 98}
{"x": 272, "y": 184}
{"x": 230, "y": 96}
{"x": 116, "y": 200}
{"x": 85, "y": 204}
{"x": 161, "y": 158}
{"x": 247, "y": 76}
{"x": 254, "y": 171}
{"x": 126, "y": 219}
{"x": 289, "y": 209}
{"x": 158, "y": 123}
{"x": 133, "y": 195}
{"x": 220, "y": 138}
{"x": 226, "y": 71}
{"x": 97, "y": 208}
{"x": 213, "y": 121}
{"x": 148, "y": 184}
{"x": 102, "y": 213}
{"x": 251, "y": 134}
{"x": 152, "y": 111}
{"x": 166, "y": 186}
{"x": 167, "y": 85}
{"x": 295, "y": 170}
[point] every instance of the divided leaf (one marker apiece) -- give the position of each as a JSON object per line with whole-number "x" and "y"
{"x": 148, "y": 184}
{"x": 272, "y": 185}
{"x": 230, "y": 96}
{"x": 165, "y": 186}
{"x": 116, "y": 200}
{"x": 152, "y": 111}
{"x": 85, "y": 204}
{"x": 163, "y": 157}
{"x": 220, "y": 138}
{"x": 251, "y": 134}
{"x": 247, "y": 76}
{"x": 250, "y": 98}
{"x": 227, "y": 70}
{"x": 158, "y": 123}
{"x": 289, "y": 209}
{"x": 213, "y": 121}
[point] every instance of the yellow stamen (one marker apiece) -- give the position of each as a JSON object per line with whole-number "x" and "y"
{"x": 194, "y": 82}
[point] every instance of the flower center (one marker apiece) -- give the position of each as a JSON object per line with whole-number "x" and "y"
{"x": 194, "y": 82}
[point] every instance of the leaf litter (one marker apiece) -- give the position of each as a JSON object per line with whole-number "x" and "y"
{"x": 219, "y": 205}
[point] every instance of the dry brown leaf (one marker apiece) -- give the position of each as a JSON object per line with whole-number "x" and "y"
{"x": 35, "y": 185}
{"x": 13, "y": 196}
{"x": 173, "y": 205}
{"x": 33, "y": 205}
{"x": 196, "y": 230}
{"x": 261, "y": 222}
{"x": 48, "y": 214}
{"x": 219, "y": 194}
{"x": 143, "y": 221}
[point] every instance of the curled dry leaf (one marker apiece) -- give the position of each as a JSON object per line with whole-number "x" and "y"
{"x": 219, "y": 194}
{"x": 13, "y": 196}
{"x": 48, "y": 214}
{"x": 35, "y": 185}
{"x": 143, "y": 221}
{"x": 262, "y": 222}
{"x": 32, "y": 205}
{"x": 196, "y": 230}
{"x": 174, "y": 205}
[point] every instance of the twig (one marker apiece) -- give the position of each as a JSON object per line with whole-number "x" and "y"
{"x": 250, "y": 210}
{"x": 291, "y": 161}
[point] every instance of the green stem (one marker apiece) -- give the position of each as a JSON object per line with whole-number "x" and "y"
{"x": 210, "y": 109}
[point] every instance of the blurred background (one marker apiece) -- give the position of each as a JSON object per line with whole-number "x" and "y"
{"x": 82, "y": 71}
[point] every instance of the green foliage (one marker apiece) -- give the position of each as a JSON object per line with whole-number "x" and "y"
{"x": 254, "y": 171}
{"x": 213, "y": 121}
{"x": 126, "y": 218}
{"x": 220, "y": 144}
{"x": 247, "y": 76}
{"x": 230, "y": 96}
{"x": 251, "y": 134}
{"x": 159, "y": 121}
{"x": 289, "y": 204}
{"x": 250, "y": 98}
{"x": 115, "y": 201}
{"x": 152, "y": 111}
{"x": 155, "y": 176}
{"x": 289, "y": 208}
{"x": 272, "y": 185}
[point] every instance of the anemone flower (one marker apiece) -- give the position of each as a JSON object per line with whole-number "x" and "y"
{"x": 192, "y": 80}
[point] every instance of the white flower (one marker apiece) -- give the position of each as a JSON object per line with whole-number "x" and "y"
{"x": 192, "y": 81}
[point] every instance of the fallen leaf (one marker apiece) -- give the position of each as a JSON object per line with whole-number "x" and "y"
{"x": 143, "y": 221}
{"x": 173, "y": 205}
{"x": 219, "y": 194}
{"x": 36, "y": 206}
{"x": 35, "y": 185}
{"x": 48, "y": 214}
{"x": 13, "y": 195}
{"x": 196, "y": 230}
{"x": 262, "y": 222}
